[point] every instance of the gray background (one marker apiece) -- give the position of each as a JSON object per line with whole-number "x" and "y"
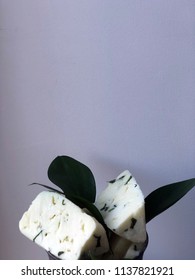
{"x": 110, "y": 83}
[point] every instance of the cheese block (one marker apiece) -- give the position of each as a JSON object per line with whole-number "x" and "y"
{"x": 135, "y": 250}
{"x": 62, "y": 228}
{"x": 124, "y": 249}
{"x": 119, "y": 247}
{"x": 122, "y": 207}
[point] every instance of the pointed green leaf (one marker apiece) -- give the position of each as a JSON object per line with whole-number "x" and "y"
{"x": 73, "y": 177}
{"x": 164, "y": 197}
{"x": 47, "y": 187}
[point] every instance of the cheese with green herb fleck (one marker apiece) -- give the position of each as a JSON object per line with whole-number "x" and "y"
{"x": 134, "y": 250}
{"x": 122, "y": 248}
{"x": 61, "y": 227}
{"x": 122, "y": 207}
{"x": 119, "y": 247}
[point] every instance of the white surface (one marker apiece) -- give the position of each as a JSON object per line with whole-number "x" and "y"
{"x": 110, "y": 83}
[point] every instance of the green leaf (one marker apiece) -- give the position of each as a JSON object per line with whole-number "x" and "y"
{"x": 73, "y": 177}
{"x": 47, "y": 187}
{"x": 162, "y": 198}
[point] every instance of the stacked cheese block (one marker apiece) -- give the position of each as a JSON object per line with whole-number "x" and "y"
{"x": 68, "y": 232}
{"x": 122, "y": 207}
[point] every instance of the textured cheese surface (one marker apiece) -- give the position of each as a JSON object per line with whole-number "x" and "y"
{"x": 124, "y": 249}
{"x": 122, "y": 207}
{"x": 61, "y": 227}
{"x": 135, "y": 250}
{"x": 119, "y": 247}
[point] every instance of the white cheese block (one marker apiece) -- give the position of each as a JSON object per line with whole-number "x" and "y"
{"x": 124, "y": 249}
{"x": 62, "y": 228}
{"x": 122, "y": 207}
{"x": 119, "y": 247}
{"x": 135, "y": 250}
